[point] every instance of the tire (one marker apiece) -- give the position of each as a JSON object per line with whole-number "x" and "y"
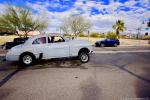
{"x": 115, "y": 45}
{"x": 96, "y": 45}
{"x": 27, "y": 59}
{"x": 102, "y": 45}
{"x": 84, "y": 57}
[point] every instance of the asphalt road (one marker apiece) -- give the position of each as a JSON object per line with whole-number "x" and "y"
{"x": 112, "y": 76}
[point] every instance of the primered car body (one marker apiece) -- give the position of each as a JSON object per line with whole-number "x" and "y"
{"x": 107, "y": 43}
{"x": 49, "y": 46}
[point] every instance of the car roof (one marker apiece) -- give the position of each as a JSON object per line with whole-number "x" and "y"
{"x": 31, "y": 39}
{"x": 49, "y": 34}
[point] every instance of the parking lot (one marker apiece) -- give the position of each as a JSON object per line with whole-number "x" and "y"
{"x": 120, "y": 73}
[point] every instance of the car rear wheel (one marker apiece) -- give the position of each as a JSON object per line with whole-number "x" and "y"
{"x": 102, "y": 45}
{"x": 27, "y": 59}
{"x": 96, "y": 45}
{"x": 84, "y": 57}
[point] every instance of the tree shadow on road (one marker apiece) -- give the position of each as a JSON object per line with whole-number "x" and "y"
{"x": 142, "y": 84}
{"x": 10, "y": 75}
{"x": 143, "y": 87}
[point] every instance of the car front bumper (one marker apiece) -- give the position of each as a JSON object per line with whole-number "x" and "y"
{"x": 91, "y": 53}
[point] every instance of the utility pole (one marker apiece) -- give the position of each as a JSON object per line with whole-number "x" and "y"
{"x": 88, "y": 35}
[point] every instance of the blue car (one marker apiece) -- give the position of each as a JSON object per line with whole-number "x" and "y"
{"x": 107, "y": 43}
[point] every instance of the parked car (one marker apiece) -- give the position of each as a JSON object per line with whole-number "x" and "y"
{"x": 107, "y": 43}
{"x": 49, "y": 46}
{"x": 16, "y": 41}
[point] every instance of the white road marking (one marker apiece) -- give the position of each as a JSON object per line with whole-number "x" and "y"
{"x": 133, "y": 51}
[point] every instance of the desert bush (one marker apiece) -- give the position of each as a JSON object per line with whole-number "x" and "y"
{"x": 123, "y": 36}
{"x": 94, "y": 34}
{"x": 111, "y": 35}
{"x": 102, "y": 35}
{"x": 67, "y": 34}
{"x": 82, "y": 35}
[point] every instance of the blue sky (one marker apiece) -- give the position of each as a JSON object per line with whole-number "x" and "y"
{"x": 102, "y": 13}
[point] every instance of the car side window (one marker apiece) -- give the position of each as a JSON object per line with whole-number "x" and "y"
{"x": 41, "y": 40}
{"x": 55, "y": 39}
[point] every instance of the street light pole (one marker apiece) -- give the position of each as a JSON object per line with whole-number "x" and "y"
{"x": 88, "y": 35}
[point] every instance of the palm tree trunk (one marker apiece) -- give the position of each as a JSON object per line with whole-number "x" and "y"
{"x": 117, "y": 33}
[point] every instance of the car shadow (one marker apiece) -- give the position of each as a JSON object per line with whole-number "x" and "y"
{"x": 59, "y": 63}
{"x": 53, "y": 63}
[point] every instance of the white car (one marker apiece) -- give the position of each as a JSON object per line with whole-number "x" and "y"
{"x": 47, "y": 46}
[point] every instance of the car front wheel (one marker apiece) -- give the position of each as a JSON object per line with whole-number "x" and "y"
{"x": 115, "y": 45}
{"x": 84, "y": 57}
{"x": 27, "y": 59}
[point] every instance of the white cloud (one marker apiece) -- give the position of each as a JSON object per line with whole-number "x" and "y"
{"x": 2, "y": 8}
{"x": 101, "y": 23}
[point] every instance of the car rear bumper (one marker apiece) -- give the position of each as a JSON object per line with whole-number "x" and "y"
{"x": 11, "y": 57}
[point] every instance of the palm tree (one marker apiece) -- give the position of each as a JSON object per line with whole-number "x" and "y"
{"x": 119, "y": 26}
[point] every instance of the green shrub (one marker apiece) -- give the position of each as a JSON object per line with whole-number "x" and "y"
{"x": 123, "y": 36}
{"x": 67, "y": 34}
{"x": 111, "y": 35}
{"x": 82, "y": 35}
{"x": 94, "y": 34}
{"x": 102, "y": 35}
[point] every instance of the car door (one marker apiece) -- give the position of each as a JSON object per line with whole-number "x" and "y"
{"x": 107, "y": 42}
{"x": 38, "y": 46}
{"x": 57, "y": 49}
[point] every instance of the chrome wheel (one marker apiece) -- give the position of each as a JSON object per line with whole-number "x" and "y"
{"x": 84, "y": 57}
{"x": 27, "y": 59}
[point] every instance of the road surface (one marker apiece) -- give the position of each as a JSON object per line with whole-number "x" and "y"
{"x": 108, "y": 76}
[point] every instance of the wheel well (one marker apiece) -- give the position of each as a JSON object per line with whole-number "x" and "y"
{"x": 26, "y": 53}
{"x": 84, "y": 50}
